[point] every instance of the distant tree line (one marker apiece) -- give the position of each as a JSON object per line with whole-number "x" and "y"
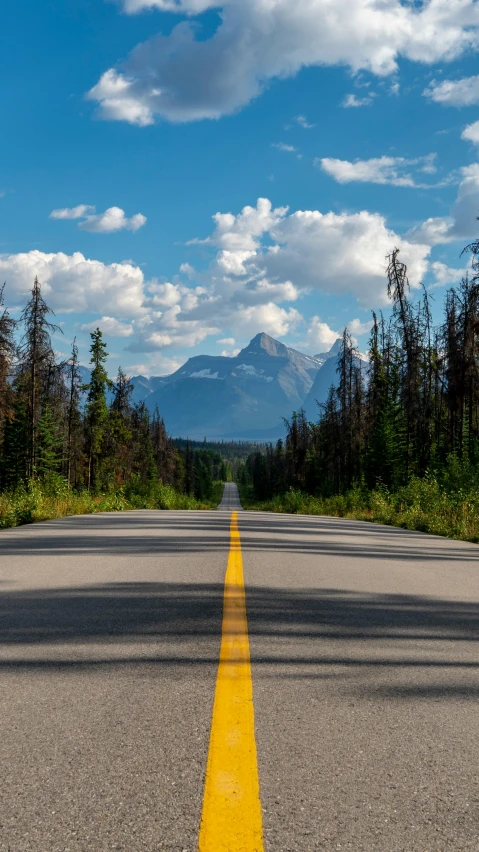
{"x": 410, "y": 410}
{"x": 234, "y": 453}
{"x": 52, "y": 424}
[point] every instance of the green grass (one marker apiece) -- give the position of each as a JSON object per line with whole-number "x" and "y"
{"x": 37, "y": 501}
{"x": 421, "y": 505}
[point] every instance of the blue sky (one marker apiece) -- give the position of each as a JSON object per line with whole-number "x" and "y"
{"x": 127, "y": 126}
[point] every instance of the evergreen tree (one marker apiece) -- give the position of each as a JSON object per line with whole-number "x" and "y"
{"x": 73, "y": 430}
{"x": 37, "y": 366}
{"x": 96, "y": 412}
{"x": 7, "y": 351}
{"x": 49, "y": 443}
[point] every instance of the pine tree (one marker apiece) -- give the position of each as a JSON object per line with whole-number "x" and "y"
{"x": 73, "y": 429}
{"x": 96, "y": 410}
{"x": 49, "y": 444}
{"x": 37, "y": 366}
{"x": 7, "y": 351}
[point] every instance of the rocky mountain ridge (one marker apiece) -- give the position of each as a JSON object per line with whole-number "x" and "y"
{"x": 240, "y": 397}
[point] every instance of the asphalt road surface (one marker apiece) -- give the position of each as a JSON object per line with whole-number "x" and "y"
{"x": 364, "y": 664}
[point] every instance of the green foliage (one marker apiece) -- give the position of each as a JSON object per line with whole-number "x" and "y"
{"x": 53, "y": 498}
{"x": 423, "y": 505}
{"x": 96, "y": 414}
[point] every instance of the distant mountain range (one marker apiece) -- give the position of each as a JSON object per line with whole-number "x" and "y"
{"x": 240, "y": 398}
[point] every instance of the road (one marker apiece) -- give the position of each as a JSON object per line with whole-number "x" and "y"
{"x": 364, "y": 663}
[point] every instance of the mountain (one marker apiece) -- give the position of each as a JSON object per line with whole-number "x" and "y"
{"x": 241, "y": 397}
{"x": 332, "y": 353}
{"x": 143, "y": 386}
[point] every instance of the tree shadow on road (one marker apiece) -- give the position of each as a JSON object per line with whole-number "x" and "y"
{"x": 164, "y": 618}
{"x": 148, "y": 533}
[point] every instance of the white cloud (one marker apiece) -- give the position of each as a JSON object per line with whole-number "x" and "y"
{"x": 461, "y": 224}
{"x": 464, "y": 92}
{"x": 358, "y": 328}
{"x": 274, "y": 256}
{"x": 111, "y": 220}
{"x": 243, "y": 231}
{"x": 269, "y": 317}
{"x": 353, "y": 101}
{"x": 444, "y": 275}
{"x": 227, "y": 341}
{"x": 187, "y": 269}
{"x": 339, "y": 253}
{"x": 119, "y": 100}
{"x": 110, "y": 326}
{"x": 182, "y": 77}
{"x": 73, "y": 283}
{"x": 471, "y": 133}
{"x": 72, "y": 212}
{"x": 319, "y": 337}
{"x": 383, "y": 170}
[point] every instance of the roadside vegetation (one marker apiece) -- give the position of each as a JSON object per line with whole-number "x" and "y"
{"x": 68, "y": 447}
{"x": 422, "y": 505}
{"x": 43, "y": 500}
{"x": 397, "y": 441}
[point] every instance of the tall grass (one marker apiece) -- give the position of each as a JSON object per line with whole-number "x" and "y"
{"x": 43, "y": 501}
{"x": 424, "y": 505}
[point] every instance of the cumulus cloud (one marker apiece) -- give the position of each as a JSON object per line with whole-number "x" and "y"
{"x": 395, "y": 171}
{"x": 445, "y": 276}
{"x": 111, "y": 326}
{"x": 111, "y": 220}
{"x": 340, "y": 253}
{"x": 74, "y": 284}
{"x": 471, "y": 133}
{"x": 357, "y": 328}
{"x": 263, "y": 260}
{"x": 184, "y": 77}
{"x": 461, "y": 223}
{"x": 319, "y": 337}
{"x": 464, "y": 92}
{"x": 243, "y": 231}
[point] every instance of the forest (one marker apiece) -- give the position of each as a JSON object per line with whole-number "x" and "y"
{"x": 69, "y": 447}
{"x": 398, "y": 439}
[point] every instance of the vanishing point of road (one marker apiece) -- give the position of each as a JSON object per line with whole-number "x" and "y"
{"x": 235, "y": 681}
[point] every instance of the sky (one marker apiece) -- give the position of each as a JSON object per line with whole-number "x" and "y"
{"x": 187, "y": 173}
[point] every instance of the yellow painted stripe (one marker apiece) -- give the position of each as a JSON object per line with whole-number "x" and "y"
{"x": 231, "y": 817}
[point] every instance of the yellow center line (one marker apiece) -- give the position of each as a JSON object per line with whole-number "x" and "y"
{"x": 231, "y": 817}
